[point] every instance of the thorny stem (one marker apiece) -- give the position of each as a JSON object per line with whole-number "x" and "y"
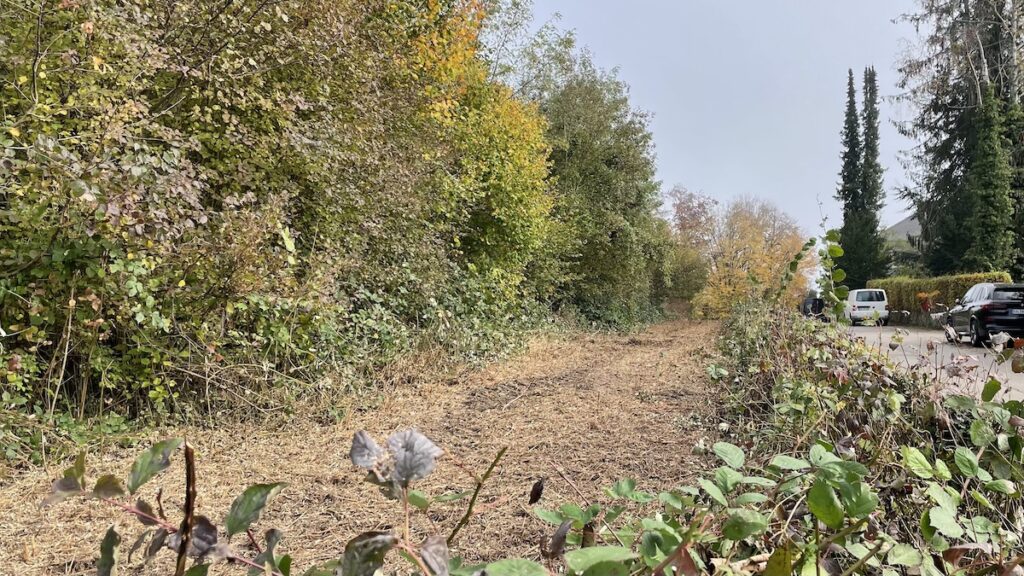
{"x": 190, "y": 510}
{"x": 476, "y": 492}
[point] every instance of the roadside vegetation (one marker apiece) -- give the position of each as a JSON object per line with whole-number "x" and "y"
{"x": 832, "y": 461}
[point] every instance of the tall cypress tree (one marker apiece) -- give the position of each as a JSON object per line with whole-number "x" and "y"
{"x": 989, "y": 178}
{"x": 870, "y": 247}
{"x": 861, "y": 186}
{"x": 849, "y": 176}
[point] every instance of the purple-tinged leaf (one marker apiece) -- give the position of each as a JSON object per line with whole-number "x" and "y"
{"x": 415, "y": 456}
{"x": 556, "y": 546}
{"x": 364, "y": 554}
{"x": 146, "y": 509}
{"x": 204, "y": 538}
{"x": 151, "y": 462}
{"x": 107, "y": 564}
{"x": 434, "y": 552}
{"x": 62, "y": 489}
{"x": 365, "y": 452}
{"x": 158, "y": 541}
{"x": 138, "y": 543}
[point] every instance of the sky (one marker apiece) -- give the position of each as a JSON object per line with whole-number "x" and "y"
{"x": 747, "y": 96}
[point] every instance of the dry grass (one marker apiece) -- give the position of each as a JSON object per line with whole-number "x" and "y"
{"x": 595, "y": 408}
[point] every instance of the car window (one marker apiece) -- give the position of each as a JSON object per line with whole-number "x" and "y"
{"x": 969, "y": 297}
{"x": 1008, "y": 293}
{"x": 870, "y": 296}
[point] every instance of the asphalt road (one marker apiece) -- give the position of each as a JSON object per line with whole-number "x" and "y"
{"x": 912, "y": 350}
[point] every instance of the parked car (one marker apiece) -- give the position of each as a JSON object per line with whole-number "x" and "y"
{"x": 814, "y": 308}
{"x": 987, "y": 309}
{"x": 870, "y": 304}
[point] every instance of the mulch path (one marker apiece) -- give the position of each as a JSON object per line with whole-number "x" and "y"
{"x": 581, "y": 411}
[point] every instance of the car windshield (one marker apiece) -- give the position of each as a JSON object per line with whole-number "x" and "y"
{"x": 1009, "y": 293}
{"x": 870, "y": 296}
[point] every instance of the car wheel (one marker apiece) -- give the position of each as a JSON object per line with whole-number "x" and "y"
{"x": 977, "y": 339}
{"x": 885, "y": 322}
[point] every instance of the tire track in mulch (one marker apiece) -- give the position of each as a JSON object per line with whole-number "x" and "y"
{"x": 588, "y": 408}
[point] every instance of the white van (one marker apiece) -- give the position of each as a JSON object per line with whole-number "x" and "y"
{"x": 870, "y": 304}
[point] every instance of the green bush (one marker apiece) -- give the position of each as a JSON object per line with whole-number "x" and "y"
{"x": 922, "y": 296}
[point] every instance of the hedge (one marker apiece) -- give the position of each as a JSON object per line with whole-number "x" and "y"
{"x": 924, "y": 296}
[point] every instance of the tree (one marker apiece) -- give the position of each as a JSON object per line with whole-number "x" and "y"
{"x": 850, "y": 175}
{"x": 862, "y": 188}
{"x": 603, "y": 162}
{"x": 990, "y": 220}
{"x": 966, "y": 49}
{"x": 753, "y": 245}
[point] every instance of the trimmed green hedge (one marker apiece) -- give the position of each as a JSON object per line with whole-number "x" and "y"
{"x": 916, "y": 294}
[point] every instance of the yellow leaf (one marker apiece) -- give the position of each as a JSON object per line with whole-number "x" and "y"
{"x": 14, "y": 131}
{"x": 22, "y": 79}
{"x": 181, "y": 283}
{"x": 97, "y": 62}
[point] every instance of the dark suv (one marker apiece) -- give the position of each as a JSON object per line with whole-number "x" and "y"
{"x": 988, "y": 309}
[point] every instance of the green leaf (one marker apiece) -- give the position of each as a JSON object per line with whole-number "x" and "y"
{"x": 982, "y": 499}
{"x": 673, "y": 500}
{"x": 107, "y": 564}
{"x": 580, "y": 560}
{"x": 942, "y": 471}
{"x": 549, "y": 516}
{"x": 453, "y": 496}
{"x": 966, "y": 461}
{"x": 744, "y": 523}
{"x": 607, "y": 569}
{"x": 731, "y": 454}
{"x": 750, "y": 498}
{"x": 419, "y": 500}
{"x": 982, "y": 433}
{"x": 713, "y": 491}
{"x": 198, "y": 570}
{"x": 77, "y": 470}
{"x": 727, "y": 479}
{"x": 247, "y": 506}
{"x": 823, "y": 503}
{"x": 917, "y": 463}
{"x": 858, "y": 551}
{"x": 622, "y": 489}
{"x": 836, "y": 251}
{"x": 992, "y": 387}
{"x": 945, "y": 522}
{"x": 904, "y": 555}
{"x": 858, "y": 499}
{"x": 784, "y": 462}
{"x": 108, "y": 486}
{"x": 838, "y": 275}
{"x": 819, "y": 455}
{"x": 515, "y": 567}
{"x": 945, "y": 498}
{"x": 1001, "y": 486}
{"x": 758, "y": 481}
{"x": 780, "y": 563}
{"x": 151, "y": 462}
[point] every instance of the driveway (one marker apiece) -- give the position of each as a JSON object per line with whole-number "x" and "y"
{"x": 912, "y": 350}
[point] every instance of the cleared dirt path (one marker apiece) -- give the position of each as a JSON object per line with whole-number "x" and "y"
{"x": 592, "y": 408}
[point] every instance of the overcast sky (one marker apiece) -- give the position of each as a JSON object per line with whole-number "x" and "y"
{"x": 748, "y": 95}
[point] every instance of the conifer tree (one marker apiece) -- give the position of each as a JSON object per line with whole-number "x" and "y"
{"x": 849, "y": 177}
{"x": 989, "y": 227}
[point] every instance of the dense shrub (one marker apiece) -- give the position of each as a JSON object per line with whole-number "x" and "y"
{"x": 197, "y": 196}
{"x": 921, "y": 295}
